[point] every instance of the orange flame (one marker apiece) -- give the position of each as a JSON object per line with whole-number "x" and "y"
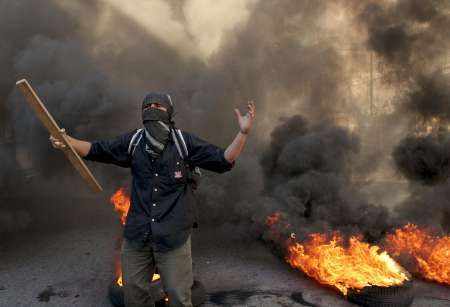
{"x": 327, "y": 259}
{"x": 120, "y": 280}
{"x": 430, "y": 254}
{"x": 121, "y": 202}
{"x": 354, "y": 267}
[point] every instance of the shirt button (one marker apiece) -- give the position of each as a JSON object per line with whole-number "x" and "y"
{"x": 156, "y": 190}
{"x": 154, "y": 205}
{"x": 153, "y": 220}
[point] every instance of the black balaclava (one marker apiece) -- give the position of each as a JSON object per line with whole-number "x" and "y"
{"x": 157, "y": 123}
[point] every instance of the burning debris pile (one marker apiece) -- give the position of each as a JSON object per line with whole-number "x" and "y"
{"x": 322, "y": 219}
{"x": 310, "y": 186}
{"x": 333, "y": 260}
{"x": 344, "y": 265}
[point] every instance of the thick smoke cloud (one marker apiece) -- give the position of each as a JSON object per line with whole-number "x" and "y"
{"x": 424, "y": 159}
{"x": 407, "y": 36}
{"x": 406, "y": 31}
{"x": 309, "y": 180}
{"x": 287, "y": 70}
{"x": 325, "y": 149}
{"x": 63, "y": 58}
{"x": 430, "y": 96}
{"x": 92, "y": 72}
{"x": 427, "y": 206}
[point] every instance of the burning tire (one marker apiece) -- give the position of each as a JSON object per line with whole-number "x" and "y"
{"x": 395, "y": 296}
{"x": 115, "y": 293}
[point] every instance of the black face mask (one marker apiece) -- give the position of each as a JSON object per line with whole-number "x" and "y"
{"x": 157, "y": 129}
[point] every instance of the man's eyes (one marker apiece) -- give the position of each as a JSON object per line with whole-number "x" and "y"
{"x": 153, "y": 105}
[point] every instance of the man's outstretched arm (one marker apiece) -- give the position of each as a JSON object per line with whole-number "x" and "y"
{"x": 233, "y": 151}
{"x": 81, "y": 147}
{"x": 113, "y": 151}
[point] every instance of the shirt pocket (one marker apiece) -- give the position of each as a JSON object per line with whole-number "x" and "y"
{"x": 177, "y": 171}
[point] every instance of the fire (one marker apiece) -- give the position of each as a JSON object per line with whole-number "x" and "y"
{"x": 121, "y": 202}
{"x": 355, "y": 265}
{"x": 429, "y": 254}
{"x": 120, "y": 282}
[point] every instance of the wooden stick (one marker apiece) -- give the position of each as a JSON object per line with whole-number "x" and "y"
{"x": 46, "y": 118}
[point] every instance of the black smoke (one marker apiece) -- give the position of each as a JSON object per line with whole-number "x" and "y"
{"x": 92, "y": 73}
{"x": 424, "y": 159}
{"x": 92, "y": 64}
{"x": 406, "y": 32}
{"x": 57, "y": 51}
{"x": 428, "y": 206}
{"x": 407, "y": 37}
{"x": 430, "y": 96}
{"x": 425, "y": 162}
{"x": 310, "y": 180}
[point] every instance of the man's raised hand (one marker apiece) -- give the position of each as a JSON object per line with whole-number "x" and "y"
{"x": 246, "y": 121}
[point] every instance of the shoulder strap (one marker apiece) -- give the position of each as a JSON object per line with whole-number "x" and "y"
{"x": 194, "y": 172}
{"x": 178, "y": 138}
{"x": 135, "y": 139}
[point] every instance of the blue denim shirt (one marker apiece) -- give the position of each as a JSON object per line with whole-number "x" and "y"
{"x": 162, "y": 200}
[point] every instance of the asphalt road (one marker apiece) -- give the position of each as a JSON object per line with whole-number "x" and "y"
{"x": 73, "y": 263}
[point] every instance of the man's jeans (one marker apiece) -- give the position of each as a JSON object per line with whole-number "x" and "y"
{"x": 174, "y": 266}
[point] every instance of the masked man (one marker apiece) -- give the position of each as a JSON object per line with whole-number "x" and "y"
{"x": 162, "y": 212}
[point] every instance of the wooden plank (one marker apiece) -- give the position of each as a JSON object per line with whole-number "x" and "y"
{"x": 46, "y": 118}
